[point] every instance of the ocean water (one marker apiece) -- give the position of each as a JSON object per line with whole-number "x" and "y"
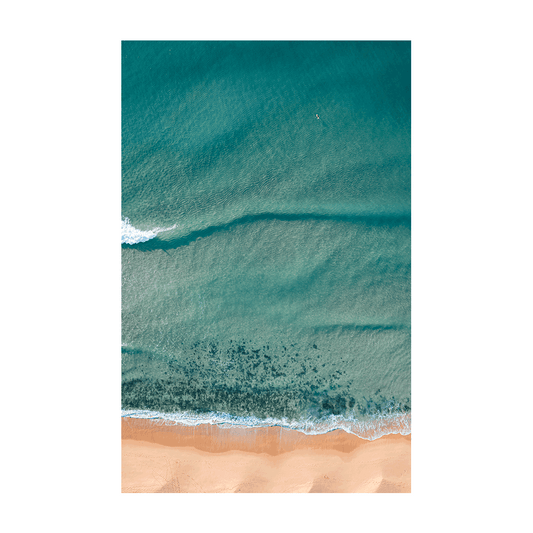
{"x": 266, "y": 253}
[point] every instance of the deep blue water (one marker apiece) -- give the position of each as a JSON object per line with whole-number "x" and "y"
{"x": 266, "y": 258}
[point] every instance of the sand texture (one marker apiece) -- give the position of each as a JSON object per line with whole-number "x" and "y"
{"x": 170, "y": 458}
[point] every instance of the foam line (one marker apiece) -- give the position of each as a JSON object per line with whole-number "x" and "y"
{"x": 370, "y": 429}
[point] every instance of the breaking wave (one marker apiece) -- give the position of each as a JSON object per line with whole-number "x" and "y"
{"x": 368, "y": 429}
{"x": 132, "y": 235}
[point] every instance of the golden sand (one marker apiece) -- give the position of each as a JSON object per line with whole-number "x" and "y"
{"x": 157, "y": 457}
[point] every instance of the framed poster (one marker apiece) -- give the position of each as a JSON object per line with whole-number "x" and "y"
{"x": 266, "y": 321}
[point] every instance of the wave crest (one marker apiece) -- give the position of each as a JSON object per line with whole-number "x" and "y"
{"x": 132, "y": 235}
{"x": 179, "y": 239}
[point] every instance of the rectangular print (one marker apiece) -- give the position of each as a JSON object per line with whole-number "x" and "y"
{"x": 266, "y": 266}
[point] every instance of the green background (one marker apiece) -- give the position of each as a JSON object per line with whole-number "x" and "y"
{"x": 51, "y": 237}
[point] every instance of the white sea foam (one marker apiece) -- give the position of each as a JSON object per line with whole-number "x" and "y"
{"x": 370, "y": 429}
{"x": 132, "y": 235}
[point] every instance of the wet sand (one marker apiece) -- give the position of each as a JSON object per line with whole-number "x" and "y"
{"x": 157, "y": 457}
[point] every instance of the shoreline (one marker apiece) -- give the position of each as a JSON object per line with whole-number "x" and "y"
{"x": 162, "y": 457}
{"x": 370, "y": 429}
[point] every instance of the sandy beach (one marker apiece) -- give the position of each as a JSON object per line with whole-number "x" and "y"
{"x": 158, "y": 457}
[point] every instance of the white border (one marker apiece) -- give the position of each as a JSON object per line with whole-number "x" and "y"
{"x": 419, "y": 33}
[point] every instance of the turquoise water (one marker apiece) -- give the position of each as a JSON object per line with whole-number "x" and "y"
{"x": 266, "y": 252}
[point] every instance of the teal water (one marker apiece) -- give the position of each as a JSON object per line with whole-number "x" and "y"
{"x": 266, "y": 252}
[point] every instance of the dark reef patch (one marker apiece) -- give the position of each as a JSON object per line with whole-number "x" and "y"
{"x": 243, "y": 379}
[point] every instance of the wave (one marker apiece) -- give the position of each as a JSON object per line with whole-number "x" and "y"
{"x": 368, "y": 429}
{"x": 132, "y": 235}
{"x": 177, "y": 239}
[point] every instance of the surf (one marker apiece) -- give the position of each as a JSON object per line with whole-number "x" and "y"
{"x": 131, "y": 235}
{"x": 369, "y": 429}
